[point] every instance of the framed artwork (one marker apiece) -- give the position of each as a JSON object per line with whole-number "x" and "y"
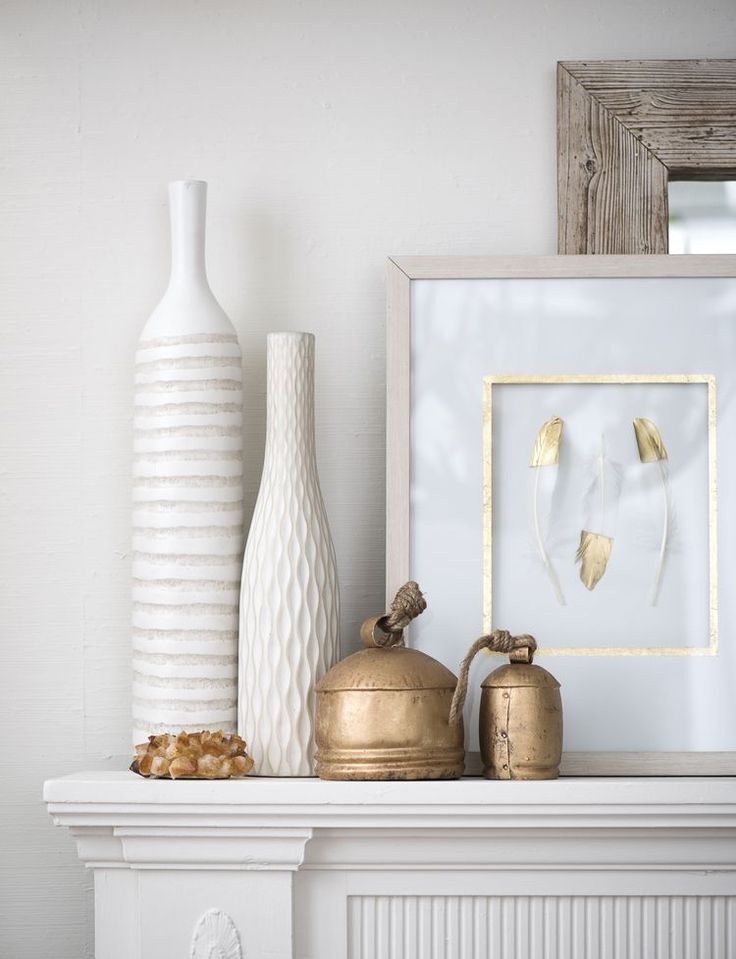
{"x": 561, "y": 460}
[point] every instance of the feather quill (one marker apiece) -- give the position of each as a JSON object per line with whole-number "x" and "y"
{"x": 593, "y": 555}
{"x": 601, "y": 506}
{"x": 652, "y": 450}
{"x": 546, "y": 452}
{"x": 600, "y": 503}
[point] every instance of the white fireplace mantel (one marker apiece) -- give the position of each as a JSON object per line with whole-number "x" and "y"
{"x": 593, "y": 868}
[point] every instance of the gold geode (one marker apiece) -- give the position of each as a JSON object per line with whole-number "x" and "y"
{"x": 204, "y": 755}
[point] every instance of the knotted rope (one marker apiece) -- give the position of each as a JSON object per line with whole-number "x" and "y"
{"x": 406, "y": 606}
{"x": 410, "y": 603}
{"x": 500, "y": 641}
{"x": 388, "y": 630}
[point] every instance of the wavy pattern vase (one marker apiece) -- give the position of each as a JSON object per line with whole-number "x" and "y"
{"x": 289, "y": 597}
{"x": 187, "y": 496}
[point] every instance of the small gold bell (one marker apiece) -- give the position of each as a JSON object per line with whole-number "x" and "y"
{"x": 521, "y": 721}
{"x": 520, "y": 711}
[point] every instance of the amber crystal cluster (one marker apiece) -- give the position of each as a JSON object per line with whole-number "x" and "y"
{"x": 204, "y": 755}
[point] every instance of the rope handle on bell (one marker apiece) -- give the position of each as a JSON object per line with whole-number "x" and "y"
{"x": 520, "y": 650}
{"x": 388, "y": 630}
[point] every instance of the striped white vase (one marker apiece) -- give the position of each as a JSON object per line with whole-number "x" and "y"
{"x": 187, "y": 496}
{"x": 289, "y": 599}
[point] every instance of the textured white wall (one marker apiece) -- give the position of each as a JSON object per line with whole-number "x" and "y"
{"x": 332, "y": 134}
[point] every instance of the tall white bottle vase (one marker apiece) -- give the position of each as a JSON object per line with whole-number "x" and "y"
{"x": 289, "y": 604}
{"x": 187, "y": 495}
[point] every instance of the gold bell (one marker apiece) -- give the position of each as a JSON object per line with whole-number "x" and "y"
{"x": 520, "y": 712}
{"x": 382, "y": 713}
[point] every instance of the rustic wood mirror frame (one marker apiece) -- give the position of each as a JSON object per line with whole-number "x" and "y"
{"x": 625, "y": 128}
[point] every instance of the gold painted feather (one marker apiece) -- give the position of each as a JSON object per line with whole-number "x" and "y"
{"x": 649, "y": 441}
{"x": 593, "y": 555}
{"x": 546, "y": 450}
{"x": 651, "y": 450}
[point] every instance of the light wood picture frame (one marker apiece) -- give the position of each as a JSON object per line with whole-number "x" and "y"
{"x": 625, "y": 128}
{"x": 402, "y": 274}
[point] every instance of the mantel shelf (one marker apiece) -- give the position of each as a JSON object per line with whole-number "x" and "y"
{"x": 465, "y": 802}
{"x": 108, "y": 786}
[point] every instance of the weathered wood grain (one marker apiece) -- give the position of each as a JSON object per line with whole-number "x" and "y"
{"x": 625, "y": 128}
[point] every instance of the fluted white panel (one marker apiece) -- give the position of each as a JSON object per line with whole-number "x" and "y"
{"x": 542, "y": 927}
{"x": 289, "y": 597}
{"x": 187, "y": 532}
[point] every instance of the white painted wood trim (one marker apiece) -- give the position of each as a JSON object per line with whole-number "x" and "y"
{"x": 121, "y": 798}
{"x": 401, "y": 270}
{"x": 541, "y": 927}
{"x": 304, "y": 868}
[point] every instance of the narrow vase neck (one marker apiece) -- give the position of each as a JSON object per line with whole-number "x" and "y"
{"x": 290, "y": 400}
{"x": 188, "y": 207}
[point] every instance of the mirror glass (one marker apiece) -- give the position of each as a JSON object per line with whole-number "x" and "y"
{"x": 702, "y": 216}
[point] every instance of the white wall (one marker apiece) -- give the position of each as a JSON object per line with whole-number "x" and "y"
{"x": 332, "y": 134}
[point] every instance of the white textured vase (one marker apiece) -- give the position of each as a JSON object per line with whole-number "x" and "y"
{"x": 187, "y": 496}
{"x": 289, "y": 598}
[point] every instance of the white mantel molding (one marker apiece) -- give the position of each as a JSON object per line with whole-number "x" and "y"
{"x": 309, "y": 868}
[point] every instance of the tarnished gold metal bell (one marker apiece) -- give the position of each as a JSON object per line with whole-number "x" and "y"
{"x": 520, "y": 711}
{"x": 383, "y": 713}
{"x": 521, "y": 720}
